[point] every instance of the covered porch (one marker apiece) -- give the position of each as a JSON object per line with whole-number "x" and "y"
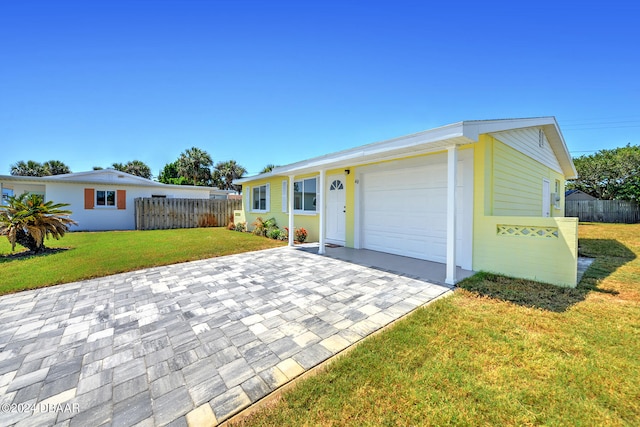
{"x": 444, "y": 168}
{"x": 428, "y": 271}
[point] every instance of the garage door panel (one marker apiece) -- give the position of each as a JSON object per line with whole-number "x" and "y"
{"x": 407, "y": 217}
{"x": 407, "y": 246}
{"x": 405, "y": 232}
{"x": 405, "y": 210}
{"x": 380, "y": 180}
{"x": 423, "y": 200}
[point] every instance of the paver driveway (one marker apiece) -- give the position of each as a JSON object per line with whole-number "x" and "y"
{"x": 187, "y": 343}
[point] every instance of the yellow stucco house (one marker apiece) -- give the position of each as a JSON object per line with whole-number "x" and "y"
{"x": 484, "y": 195}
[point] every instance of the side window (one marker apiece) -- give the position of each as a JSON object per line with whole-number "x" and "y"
{"x": 304, "y": 195}
{"x": 260, "y": 198}
{"x": 105, "y": 198}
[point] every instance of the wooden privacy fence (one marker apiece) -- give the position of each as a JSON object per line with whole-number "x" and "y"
{"x": 154, "y": 213}
{"x": 621, "y": 211}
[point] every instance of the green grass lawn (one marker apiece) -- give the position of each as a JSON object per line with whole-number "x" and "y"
{"x": 498, "y": 352}
{"x": 87, "y": 255}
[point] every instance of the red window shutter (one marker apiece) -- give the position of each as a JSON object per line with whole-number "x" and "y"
{"x": 89, "y": 198}
{"x": 121, "y": 198}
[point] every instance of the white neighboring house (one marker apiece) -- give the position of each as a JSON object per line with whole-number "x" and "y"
{"x": 102, "y": 199}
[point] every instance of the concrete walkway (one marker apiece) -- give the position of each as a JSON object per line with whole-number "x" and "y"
{"x": 187, "y": 344}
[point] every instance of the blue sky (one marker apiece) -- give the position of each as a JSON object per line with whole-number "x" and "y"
{"x": 95, "y": 82}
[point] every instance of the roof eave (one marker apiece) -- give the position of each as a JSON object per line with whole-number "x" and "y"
{"x": 418, "y": 142}
{"x": 548, "y": 123}
{"x": 559, "y": 147}
{"x": 466, "y": 132}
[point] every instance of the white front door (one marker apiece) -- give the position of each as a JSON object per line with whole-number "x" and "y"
{"x": 546, "y": 198}
{"x": 336, "y": 208}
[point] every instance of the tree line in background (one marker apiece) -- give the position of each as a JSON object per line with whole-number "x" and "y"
{"x": 609, "y": 174}
{"x": 134, "y": 167}
{"x": 193, "y": 167}
{"x": 31, "y": 168}
{"x": 56, "y": 167}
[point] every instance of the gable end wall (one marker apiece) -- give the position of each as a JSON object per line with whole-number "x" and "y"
{"x": 527, "y": 141}
{"x": 517, "y": 183}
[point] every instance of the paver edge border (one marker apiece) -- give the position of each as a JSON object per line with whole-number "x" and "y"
{"x": 276, "y": 395}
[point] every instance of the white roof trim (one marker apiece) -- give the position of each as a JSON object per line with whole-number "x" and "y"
{"x": 460, "y": 133}
{"x": 113, "y": 176}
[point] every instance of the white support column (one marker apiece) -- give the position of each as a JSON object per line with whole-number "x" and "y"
{"x": 452, "y": 169}
{"x": 290, "y": 202}
{"x": 321, "y": 212}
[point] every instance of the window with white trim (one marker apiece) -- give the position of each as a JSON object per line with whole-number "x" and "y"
{"x": 106, "y": 198}
{"x": 304, "y": 195}
{"x": 260, "y": 198}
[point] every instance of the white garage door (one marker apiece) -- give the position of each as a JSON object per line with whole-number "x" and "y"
{"x": 404, "y": 208}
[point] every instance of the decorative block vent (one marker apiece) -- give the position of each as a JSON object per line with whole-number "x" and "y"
{"x": 527, "y": 231}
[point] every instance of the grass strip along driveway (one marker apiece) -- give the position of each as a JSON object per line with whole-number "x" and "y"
{"x": 498, "y": 352}
{"x": 85, "y": 255}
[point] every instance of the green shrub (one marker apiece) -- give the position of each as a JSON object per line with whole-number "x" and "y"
{"x": 263, "y": 228}
{"x": 274, "y": 233}
{"x": 241, "y": 226}
{"x": 270, "y": 223}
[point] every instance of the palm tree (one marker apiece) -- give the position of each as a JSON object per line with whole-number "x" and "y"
{"x": 118, "y": 166}
{"x": 138, "y": 168}
{"x": 135, "y": 167}
{"x": 56, "y": 167}
{"x": 28, "y": 168}
{"x": 268, "y": 168}
{"x": 27, "y": 220}
{"x": 226, "y": 172}
{"x": 194, "y": 163}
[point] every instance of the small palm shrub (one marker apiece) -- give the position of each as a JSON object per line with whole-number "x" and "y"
{"x": 259, "y": 228}
{"x": 270, "y": 224}
{"x": 262, "y": 227}
{"x": 27, "y": 220}
{"x": 241, "y": 226}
